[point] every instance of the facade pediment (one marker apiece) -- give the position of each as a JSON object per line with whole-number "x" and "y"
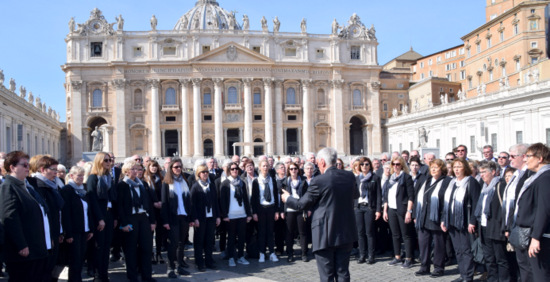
{"x": 232, "y": 53}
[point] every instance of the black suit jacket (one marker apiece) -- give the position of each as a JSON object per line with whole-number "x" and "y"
{"x": 302, "y": 189}
{"x": 225, "y": 201}
{"x": 255, "y": 199}
{"x": 374, "y": 192}
{"x": 125, "y": 206}
{"x": 99, "y": 196}
{"x": 169, "y": 210}
{"x": 493, "y": 230}
{"x": 470, "y": 202}
{"x": 510, "y": 221}
{"x": 198, "y": 197}
{"x": 405, "y": 193}
{"x": 426, "y": 203}
{"x": 73, "y": 213}
{"x": 23, "y": 222}
{"x": 330, "y": 196}
{"x": 533, "y": 207}
{"x": 54, "y": 208}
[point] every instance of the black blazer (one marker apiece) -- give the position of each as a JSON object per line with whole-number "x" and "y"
{"x": 169, "y": 210}
{"x": 125, "y": 206}
{"x": 73, "y": 213}
{"x": 98, "y": 198}
{"x": 533, "y": 207}
{"x": 54, "y": 207}
{"x": 493, "y": 230}
{"x": 224, "y": 198}
{"x": 374, "y": 192}
{"x": 330, "y": 196}
{"x": 405, "y": 193}
{"x": 302, "y": 189}
{"x": 198, "y": 197}
{"x": 426, "y": 203}
{"x": 510, "y": 221}
{"x": 22, "y": 220}
{"x": 255, "y": 199}
{"x": 420, "y": 179}
{"x": 470, "y": 202}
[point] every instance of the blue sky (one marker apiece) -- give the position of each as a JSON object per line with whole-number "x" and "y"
{"x": 32, "y": 46}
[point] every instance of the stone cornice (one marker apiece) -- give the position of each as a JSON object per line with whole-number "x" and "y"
{"x": 11, "y": 97}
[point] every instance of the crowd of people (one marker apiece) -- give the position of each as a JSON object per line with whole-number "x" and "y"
{"x": 489, "y": 216}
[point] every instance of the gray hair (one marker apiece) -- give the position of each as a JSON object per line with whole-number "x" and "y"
{"x": 278, "y": 164}
{"x": 198, "y": 163}
{"x": 61, "y": 167}
{"x": 329, "y": 155}
{"x": 520, "y": 149}
{"x": 309, "y": 164}
{"x": 226, "y": 162}
{"x": 492, "y": 166}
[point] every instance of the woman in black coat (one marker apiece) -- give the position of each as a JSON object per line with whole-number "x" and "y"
{"x": 137, "y": 220}
{"x": 205, "y": 217}
{"x": 152, "y": 179}
{"x": 235, "y": 211}
{"x": 367, "y": 209}
{"x": 429, "y": 204}
{"x": 398, "y": 204}
{"x": 76, "y": 221}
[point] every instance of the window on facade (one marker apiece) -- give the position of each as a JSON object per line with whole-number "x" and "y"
{"x": 518, "y": 65}
{"x": 519, "y": 137}
{"x": 138, "y": 99}
{"x": 516, "y": 29}
{"x": 256, "y": 49}
{"x": 357, "y": 99}
{"x": 470, "y": 85}
{"x": 320, "y": 53}
{"x": 208, "y": 147}
{"x": 533, "y": 25}
{"x": 292, "y": 117}
{"x": 421, "y": 76}
{"x": 494, "y": 141}
{"x": 548, "y": 137}
{"x": 257, "y": 98}
{"x": 96, "y": 50}
{"x": 207, "y": 99}
{"x": 501, "y": 36}
{"x": 97, "y": 97}
{"x": 534, "y": 60}
{"x": 490, "y": 75}
{"x": 429, "y": 62}
{"x": 385, "y": 107}
{"x": 137, "y": 52}
{"x": 534, "y": 44}
{"x": 291, "y": 96}
{"x": 258, "y": 150}
{"x": 421, "y": 64}
{"x": 400, "y": 85}
{"x": 258, "y": 117}
{"x": 290, "y": 52}
{"x": 469, "y": 53}
{"x": 478, "y": 48}
{"x": 207, "y": 117}
{"x": 488, "y": 42}
{"x": 170, "y": 118}
{"x": 29, "y": 143}
{"x": 437, "y": 143}
{"x": 431, "y": 73}
{"x": 170, "y": 96}
{"x": 449, "y": 77}
{"x": 232, "y": 97}
{"x": 355, "y": 52}
{"x": 169, "y": 51}
{"x": 462, "y": 75}
{"x": 473, "y": 143}
{"x": 321, "y": 98}
{"x": 205, "y": 49}
{"x": 503, "y": 71}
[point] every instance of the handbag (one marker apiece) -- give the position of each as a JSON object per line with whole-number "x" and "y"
{"x": 520, "y": 237}
{"x": 477, "y": 251}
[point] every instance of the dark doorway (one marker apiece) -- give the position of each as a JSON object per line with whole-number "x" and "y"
{"x": 171, "y": 142}
{"x": 292, "y": 141}
{"x": 258, "y": 150}
{"x": 233, "y": 137}
{"x": 208, "y": 147}
{"x": 356, "y": 136}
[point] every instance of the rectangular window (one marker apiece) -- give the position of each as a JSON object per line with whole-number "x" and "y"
{"x": 516, "y": 29}
{"x": 519, "y": 137}
{"x": 501, "y": 36}
{"x": 534, "y": 60}
{"x": 207, "y": 118}
{"x": 320, "y": 53}
{"x": 20, "y": 137}
{"x": 257, "y": 99}
{"x": 429, "y": 62}
{"x": 462, "y": 75}
{"x": 400, "y": 147}
{"x": 494, "y": 141}
{"x": 292, "y": 117}
{"x": 518, "y": 65}
{"x": 355, "y": 53}
{"x": 473, "y": 143}
{"x": 488, "y": 42}
{"x": 478, "y": 48}
{"x": 437, "y": 143}
{"x": 470, "y": 84}
{"x": 411, "y": 146}
{"x": 534, "y": 44}
{"x": 28, "y": 143}
{"x": 290, "y": 52}
{"x": 453, "y": 141}
{"x": 548, "y": 137}
{"x": 533, "y": 25}
{"x": 385, "y": 106}
{"x": 450, "y": 90}
{"x": 421, "y": 76}
{"x": 469, "y": 53}
{"x": 431, "y": 73}
{"x": 438, "y": 58}
{"x": 421, "y": 64}
{"x": 449, "y": 77}
{"x": 207, "y": 99}
{"x": 169, "y": 51}
{"x": 205, "y": 49}
{"x": 400, "y": 85}
{"x": 137, "y": 52}
{"x": 257, "y": 117}
{"x": 96, "y": 50}
{"x": 170, "y": 118}
{"x": 490, "y": 75}
{"x": 257, "y": 49}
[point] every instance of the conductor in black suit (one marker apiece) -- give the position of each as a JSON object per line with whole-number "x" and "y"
{"x": 330, "y": 196}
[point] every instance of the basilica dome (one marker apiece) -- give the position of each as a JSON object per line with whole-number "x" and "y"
{"x": 207, "y": 15}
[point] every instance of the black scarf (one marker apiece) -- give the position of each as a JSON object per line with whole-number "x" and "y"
{"x": 37, "y": 196}
{"x": 364, "y": 181}
{"x": 267, "y": 189}
{"x": 206, "y": 188}
{"x": 137, "y": 199}
{"x": 237, "y": 183}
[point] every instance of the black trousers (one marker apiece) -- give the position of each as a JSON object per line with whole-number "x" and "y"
{"x": 463, "y": 249}
{"x": 138, "y": 243}
{"x": 51, "y": 260}
{"x": 525, "y": 272}
{"x": 28, "y": 271}
{"x": 221, "y": 230}
{"x": 541, "y": 263}
{"x": 251, "y": 238}
{"x": 333, "y": 263}
{"x": 383, "y": 236}
{"x": 236, "y": 231}
{"x": 496, "y": 261}
{"x": 425, "y": 238}
{"x": 266, "y": 222}
{"x": 103, "y": 244}
{"x": 202, "y": 242}
{"x": 160, "y": 237}
{"x": 77, "y": 250}
{"x": 280, "y": 234}
{"x": 400, "y": 229}
{"x": 177, "y": 236}
{"x": 296, "y": 223}
{"x": 364, "y": 219}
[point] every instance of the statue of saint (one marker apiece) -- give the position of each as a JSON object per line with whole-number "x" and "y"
{"x": 71, "y": 25}
{"x": 405, "y": 109}
{"x": 120, "y": 22}
{"x": 1, "y": 77}
{"x": 422, "y": 137}
{"x": 264, "y": 24}
{"x": 154, "y": 23}
{"x": 97, "y": 140}
{"x": 276, "y": 24}
{"x": 12, "y": 84}
{"x": 246, "y": 22}
{"x": 303, "y": 25}
{"x": 184, "y": 23}
{"x": 22, "y": 91}
{"x": 394, "y": 112}
{"x": 232, "y": 21}
{"x": 335, "y": 27}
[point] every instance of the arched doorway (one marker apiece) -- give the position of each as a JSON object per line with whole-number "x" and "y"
{"x": 356, "y": 145}
{"x": 170, "y": 142}
{"x": 92, "y": 124}
{"x": 208, "y": 147}
{"x": 233, "y": 136}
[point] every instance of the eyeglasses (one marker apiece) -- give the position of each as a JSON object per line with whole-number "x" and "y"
{"x": 339, "y": 164}
{"x": 396, "y": 164}
{"x": 293, "y": 168}
{"x": 459, "y": 150}
{"x": 514, "y": 156}
{"x": 176, "y": 167}
{"x": 204, "y": 171}
{"x": 138, "y": 160}
{"x": 384, "y": 160}
{"x": 52, "y": 169}
{"x": 365, "y": 164}
{"x": 106, "y": 160}
{"x": 503, "y": 157}
{"x": 234, "y": 168}
{"x": 449, "y": 159}
{"x": 529, "y": 155}
{"x": 25, "y": 165}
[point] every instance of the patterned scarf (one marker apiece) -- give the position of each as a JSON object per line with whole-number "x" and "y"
{"x": 137, "y": 200}
{"x": 454, "y": 202}
{"x": 486, "y": 198}
{"x": 79, "y": 189}
{"x": 237, "y": 183}
{"x": 206, "y": 188}
{"x": 364, "y": 180}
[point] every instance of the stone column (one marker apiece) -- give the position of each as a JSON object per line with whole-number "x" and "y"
{"x": 306, "y": 116}
{"x": 218, "y": 118}
{"x": 268, "y": 116}
{"x": 120, "y": 117}
{"x": 247, "y": 116}
{"x": 279, "y": 117}
{"x": 337, "y": 114}
{"x": 185, "y": 144}
{"x": 76, "y": 114}
{"x": 155, "y": 119}
{"x": 107, "y": 133}
{"x": 197, "y": 118}
{"x": 375, "y": 146}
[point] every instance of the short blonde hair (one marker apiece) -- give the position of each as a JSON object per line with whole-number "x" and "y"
{"x": 75, "y": 170}
{"x": 128, "y": 165}
{"x": 200, "y": 169}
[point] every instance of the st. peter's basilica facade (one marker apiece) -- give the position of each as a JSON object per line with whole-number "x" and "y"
{"x": 213, "y": 87}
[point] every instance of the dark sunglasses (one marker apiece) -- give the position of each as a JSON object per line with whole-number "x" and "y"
{"x": 396, "y": 164}
{"x": 176, "y": 167}
{"x": 503, "y": 157}
{"x": 234, "y": 168}
{"x": 293, "y": 168}
{"x": 107, "y": 160}
{"x": 365, "y": 164}
{"x": 25, "y": 165}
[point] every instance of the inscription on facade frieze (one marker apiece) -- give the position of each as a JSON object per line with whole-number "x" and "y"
{"x": 227, "y": 69}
